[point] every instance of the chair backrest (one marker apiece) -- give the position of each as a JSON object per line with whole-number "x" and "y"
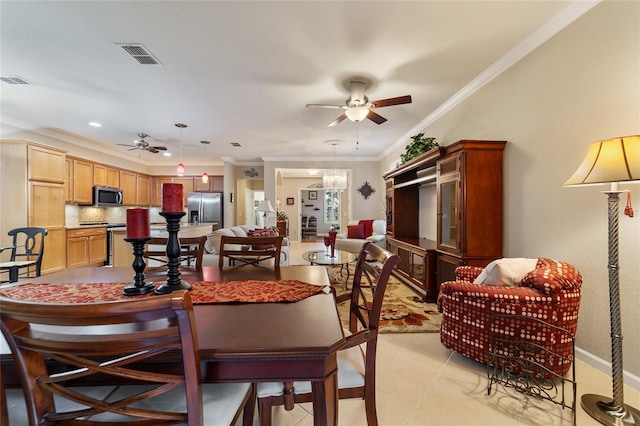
{"x": 104, "y": 339}
{"x": 373, "y": 268}
{"x": 28, "y": 244}
{"x": 191, "y": 250}
{"x": 250, "y": 250}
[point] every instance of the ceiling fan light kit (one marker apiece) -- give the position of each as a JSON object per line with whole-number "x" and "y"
{"x": 357, "y": 114}
{"x": 358, "y": 107}
{"x": 143, "y": 145}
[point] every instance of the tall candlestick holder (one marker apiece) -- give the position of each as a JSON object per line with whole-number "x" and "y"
{"x": 173, "y": 281}
{"x": 139, "y": 286}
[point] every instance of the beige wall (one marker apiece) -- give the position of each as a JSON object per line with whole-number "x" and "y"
{"x": 358, "y": 173}
{"x": 581, "y": 86}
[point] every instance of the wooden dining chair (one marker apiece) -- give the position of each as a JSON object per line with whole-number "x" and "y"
{"x": 190, "y": 250}
{"x": 27, "y": 245}
{"x": 147, "y": 346}
{"x": 240, "y": 251}
{"x": 357, "y": 358}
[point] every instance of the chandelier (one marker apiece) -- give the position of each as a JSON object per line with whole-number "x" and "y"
{"x": 334, "y": 178}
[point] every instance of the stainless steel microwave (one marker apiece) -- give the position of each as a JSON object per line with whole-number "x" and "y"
{"x": 107, "y": 197}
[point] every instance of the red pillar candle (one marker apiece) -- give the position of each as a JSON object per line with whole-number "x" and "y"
{"x": 138, "y": 223}
{"x": 172, "y": 197}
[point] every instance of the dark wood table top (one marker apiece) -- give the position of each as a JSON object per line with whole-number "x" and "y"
{"x": 228, "y": 330}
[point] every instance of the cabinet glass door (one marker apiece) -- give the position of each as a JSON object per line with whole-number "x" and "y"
{"x": 418, "y": 267}
{"x": 448, "y": 214}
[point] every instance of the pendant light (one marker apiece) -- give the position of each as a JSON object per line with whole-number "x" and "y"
{"x": 334, "y": 178}
{"x": 180, "y": 168}
{"x": 205, "y": 176}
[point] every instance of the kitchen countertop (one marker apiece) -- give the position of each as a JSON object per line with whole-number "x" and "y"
{"x": 85, "y": 226}
{"x": 186, "y": 229}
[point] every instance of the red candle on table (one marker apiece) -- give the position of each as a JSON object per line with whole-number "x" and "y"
{"x": 138, "y": 223}
{"x": 172, "y": 197}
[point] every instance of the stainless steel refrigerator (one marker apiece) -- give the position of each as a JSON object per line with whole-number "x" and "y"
{"x": 205, "y": 207}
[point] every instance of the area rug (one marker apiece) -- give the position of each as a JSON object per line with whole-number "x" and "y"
{"x": 403, "y": 310}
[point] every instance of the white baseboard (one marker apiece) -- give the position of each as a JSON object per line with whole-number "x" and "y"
{"x": 605, "y": 366}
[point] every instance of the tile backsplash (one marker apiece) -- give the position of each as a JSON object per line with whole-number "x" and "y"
{"x": 75, "y": 215}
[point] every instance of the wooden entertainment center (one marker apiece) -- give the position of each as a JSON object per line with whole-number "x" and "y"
{"x": 468, "y": 179}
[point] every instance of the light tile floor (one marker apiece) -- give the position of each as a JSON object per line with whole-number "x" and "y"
{"x": 419, "y": 382}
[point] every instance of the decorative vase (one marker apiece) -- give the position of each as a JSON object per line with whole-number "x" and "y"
{"x": 332, "y": 238}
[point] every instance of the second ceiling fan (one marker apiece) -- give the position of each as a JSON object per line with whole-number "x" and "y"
{"x": 358, "y": 107}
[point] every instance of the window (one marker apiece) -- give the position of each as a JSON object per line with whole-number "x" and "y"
{"x": 332, "y": 206}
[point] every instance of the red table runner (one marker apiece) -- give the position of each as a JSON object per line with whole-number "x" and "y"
{"x": 251, "y": 291}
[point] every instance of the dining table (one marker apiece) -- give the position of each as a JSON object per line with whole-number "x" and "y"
{"x": 245, "y": 342}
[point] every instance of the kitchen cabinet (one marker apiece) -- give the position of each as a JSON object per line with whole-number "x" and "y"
{"x": 36, "y": 195}
{"x": 215, "y": 184}
{"x": 68, "y": 181}
{"x": 82, "y": 181}
{"x": 46, "y": 165}
{"x": 143, "y": 186}
{"x": 113, "y": 178}
{"x": 187, "y": 187}
{"x": 100, "y": 175}
{"x": 128, "y": 184}
{"x": 157, "y": 182}
{"x": 86, "y": 246}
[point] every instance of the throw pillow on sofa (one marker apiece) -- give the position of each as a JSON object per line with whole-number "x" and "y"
{"x": 260, "y": 232}
{"x": 506, "y": 272}
{"x": 355, "y": 231}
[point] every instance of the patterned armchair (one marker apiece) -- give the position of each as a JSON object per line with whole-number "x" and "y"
{"x": 550, "y": 292}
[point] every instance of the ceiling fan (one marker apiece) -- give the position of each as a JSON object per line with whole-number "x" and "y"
{"x": 143, "y": 145}
{"x": 358, "y": 107}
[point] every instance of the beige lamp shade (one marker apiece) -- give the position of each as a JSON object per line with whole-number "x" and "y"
{"x": 265, "y": 206}
{"x": 609, "y": 161}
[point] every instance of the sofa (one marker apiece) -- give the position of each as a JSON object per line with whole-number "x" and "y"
{"x": 212, "y": 245}
{"x": 514, "y": 297}
{"x": 360, "y": 232}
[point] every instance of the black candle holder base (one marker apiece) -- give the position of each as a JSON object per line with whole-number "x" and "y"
{"x": 166, "y": 288}
{"x": 135, "y": 290}
{"x": 139, "y": 285}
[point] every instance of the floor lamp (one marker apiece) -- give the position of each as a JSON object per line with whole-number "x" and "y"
{"x": 265, "y": 207}
{"x": 610, "y": 162}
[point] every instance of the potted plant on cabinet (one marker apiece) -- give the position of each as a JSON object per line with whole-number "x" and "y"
{"x": 419, "y": 145}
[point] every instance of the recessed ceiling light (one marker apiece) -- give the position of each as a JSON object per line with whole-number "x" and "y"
{"x": 166, "y": 154}
{"x": 94, "y": 124}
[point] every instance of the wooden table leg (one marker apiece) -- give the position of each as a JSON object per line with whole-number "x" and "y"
{"x": 325, "y": 400}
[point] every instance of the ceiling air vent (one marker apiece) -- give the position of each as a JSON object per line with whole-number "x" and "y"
{"x": 236, "y": 144}
{"x": 13, "y": 79}
{"x": 140, "y": 54}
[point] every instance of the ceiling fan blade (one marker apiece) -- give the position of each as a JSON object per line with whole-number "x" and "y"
{"x": 376, "y": 118}
{"x": 391, "y": 101}
{"x": 159, "y": 148}
{"x": 124, "y": 144}
{"x": 357, "y": 91}
{"x": 132, "y": 149}
{"x": 152, "y": 149}
{"x": 326, "y": 106}
{"x": 338, "y": 120}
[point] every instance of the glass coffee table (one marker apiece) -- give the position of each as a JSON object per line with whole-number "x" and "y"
{"x": 341, "y": 258}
